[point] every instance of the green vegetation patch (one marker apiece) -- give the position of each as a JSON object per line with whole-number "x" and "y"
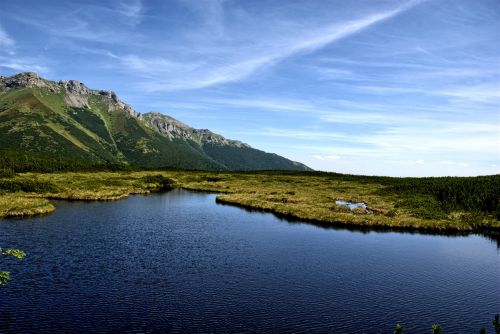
{"x": 34, "y": 186}
{"x": 91, "y": 120}
{"x": 19, "y": 205}
{"x": 163, "y": 183}
{"x": 426, "y": 207}
{"x": 438, "y": 196}
{"x": 7, "y": 172}
{"x": 393, "y": 203}
{"x": 43, "y": 162}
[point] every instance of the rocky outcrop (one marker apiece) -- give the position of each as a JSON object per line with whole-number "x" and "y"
{"x": 168, "y": 126}
{"x": 76, "y": 87}
{"x": 27, "y": 80}
{"x": 76, "y": 100}
{"x": 207, "y": 136}
{"x": 173, "y": 128}
{"x": 76, "y": 93}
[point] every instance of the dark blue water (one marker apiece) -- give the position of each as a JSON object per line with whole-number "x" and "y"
{"x": 178, "y": 262}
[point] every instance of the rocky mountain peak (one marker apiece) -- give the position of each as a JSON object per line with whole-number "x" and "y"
{"x": 75, "y": 87}
{"x": 76, "y": 95}
{"x": 173, "y": 128}
{"x": 27, "y": 80}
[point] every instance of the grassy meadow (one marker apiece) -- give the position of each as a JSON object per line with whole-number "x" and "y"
{"x": 432, "y": 204}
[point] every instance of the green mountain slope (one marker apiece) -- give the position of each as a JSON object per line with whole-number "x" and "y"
{"x": 232, "y": 154}
{"x": 68, "y": 119}
{"x": 33, "y": 121}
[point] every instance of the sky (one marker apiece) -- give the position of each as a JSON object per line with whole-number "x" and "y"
{"x": 386, "y": 87}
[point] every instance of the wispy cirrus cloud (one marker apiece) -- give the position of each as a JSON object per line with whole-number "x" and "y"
{"x": 132, "y": 9}
{"x": 152, "y": 66}
{"x": 297, "y": 134}
{"x": 448, "y": 162}
{"x": 7, "y": 43}
{"x": 215, "y": 64}
{"x": 9, "y": 59}
{"x": 487, "y": 92}
{"x": 327, "y": 157}
{"x": 484, "y": 92}
{"x": 5, "y": 40}
{"x": 236, "y": 64}
{"x": 462, "y": 138}
{"x": 87, "y": 22}
{"x": 24, "y": 67}
{"x": 23, "y": 64}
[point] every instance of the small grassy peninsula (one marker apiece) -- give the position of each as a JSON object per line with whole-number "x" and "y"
{"x": 460, "y": 204}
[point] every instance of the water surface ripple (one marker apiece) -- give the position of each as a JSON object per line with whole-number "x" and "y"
{"x": 178, "y": 262}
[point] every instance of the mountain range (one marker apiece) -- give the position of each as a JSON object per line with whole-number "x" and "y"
{"x": 70, "y": 120}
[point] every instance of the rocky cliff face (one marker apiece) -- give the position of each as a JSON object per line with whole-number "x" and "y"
{"x": 173, "y": 128}
{"x": 76, "y": 93}
{"x": 27, "y": 80}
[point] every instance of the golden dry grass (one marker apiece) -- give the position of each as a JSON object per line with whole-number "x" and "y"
{"x": 15, "y": 205}
{"x": 302, "y": 196}
{"x": 313, "y": 198}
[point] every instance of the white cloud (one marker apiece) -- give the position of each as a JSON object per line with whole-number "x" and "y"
{"x": 447, "y": 162}
{"x": 23, "y": 64}
{"x": 154, "y": 65}
{"x": 87, "y": 23}
{"x": 428, "y": 142}
{"x": 329, "y": 73}
{"x": 327, "y": 157}
{"x": 481, "y": 93}
{"x": 5, "y": 40}
{"x": 235, "y": 64}
{"x": 24, "y": 67}
{"x": 487, "y": 92}
{"x": 131, "y": 9}
{"x": 296, "y": 134}
{"x": 334, "y": 111}
{"x": 432, "y": 140}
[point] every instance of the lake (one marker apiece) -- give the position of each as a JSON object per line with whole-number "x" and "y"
{"x": 179, "y": 262}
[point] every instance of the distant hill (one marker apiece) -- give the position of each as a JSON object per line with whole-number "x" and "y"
{"x": 69, "y": 120}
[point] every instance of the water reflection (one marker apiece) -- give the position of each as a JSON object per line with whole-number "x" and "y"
{"x": 489, "y": 234}
{"x": 177, "y": 262}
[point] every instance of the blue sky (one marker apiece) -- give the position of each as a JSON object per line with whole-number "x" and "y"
{"x": 388, "y": 87}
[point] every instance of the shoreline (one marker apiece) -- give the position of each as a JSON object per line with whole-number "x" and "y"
{"x": 329, "y": 224}
{"x": 301, "y": 198}
{"x": 490, "y": 233}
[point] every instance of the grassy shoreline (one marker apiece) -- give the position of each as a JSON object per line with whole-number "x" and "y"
{"x": 14, "y": 206}
{"x": 308, "y": 197}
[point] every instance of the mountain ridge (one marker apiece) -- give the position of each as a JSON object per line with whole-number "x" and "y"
{"x": 69, "y": 119}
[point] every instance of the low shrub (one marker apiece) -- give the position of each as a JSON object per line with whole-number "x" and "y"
{"x": 421, "y": 206}
{"x": 7, "y": 172}
{"x": 34, "y": 186}
{"x": 164, "y": 183}
{"x": 213, "y": 178}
